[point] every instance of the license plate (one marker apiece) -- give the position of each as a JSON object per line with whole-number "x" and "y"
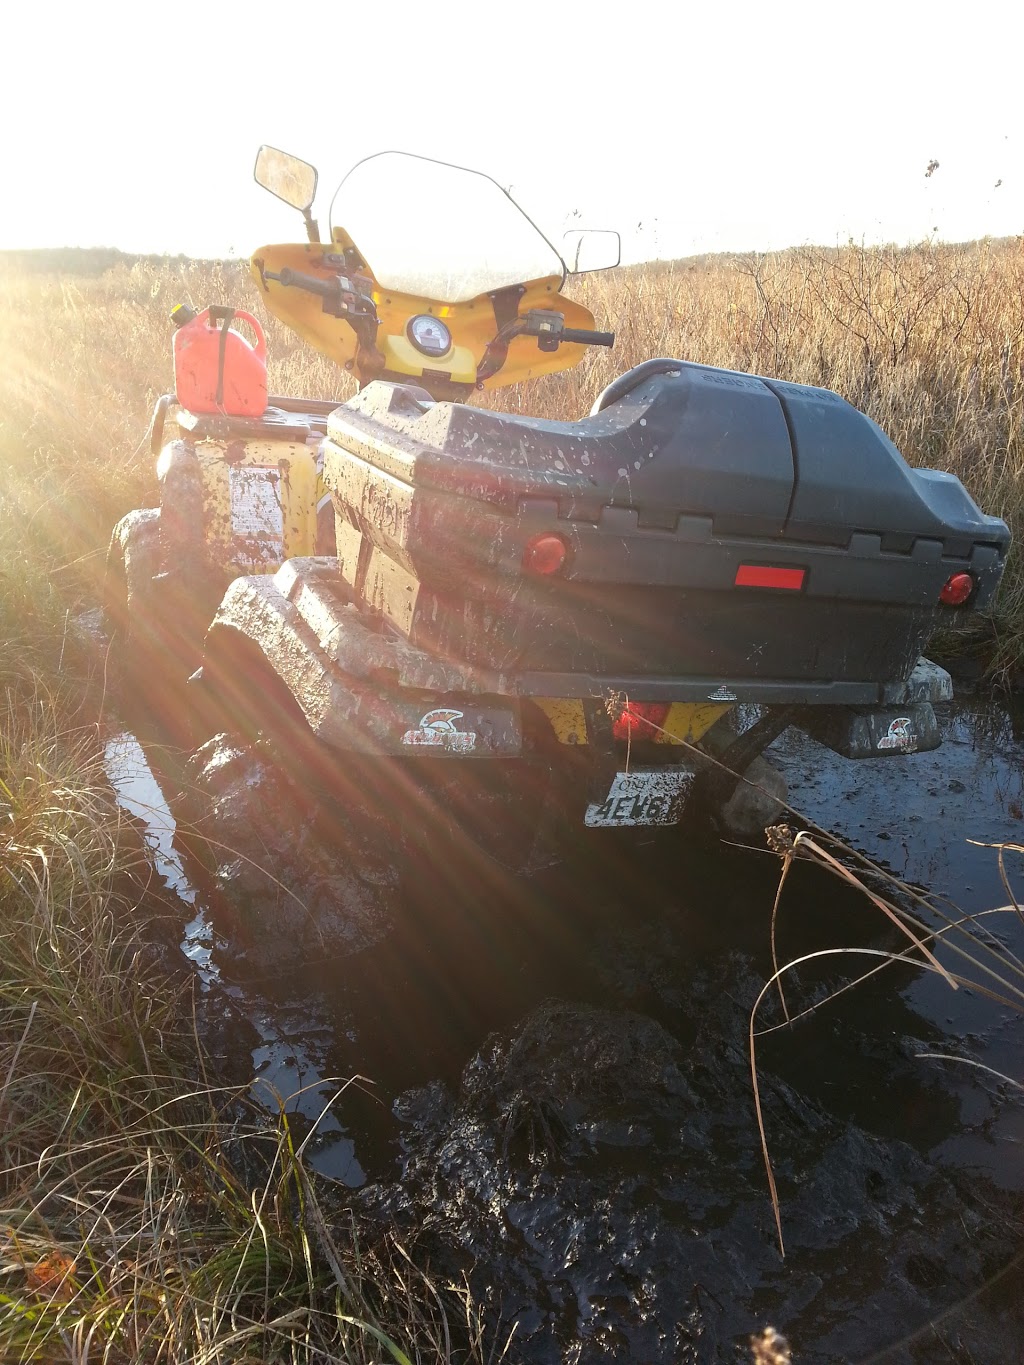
{"x": 643, "y": 796}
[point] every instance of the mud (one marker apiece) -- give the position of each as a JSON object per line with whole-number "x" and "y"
{"x": 294, "y": 880}
{"x": 601, "y": 1185}
{"x": 562, "y": 1105}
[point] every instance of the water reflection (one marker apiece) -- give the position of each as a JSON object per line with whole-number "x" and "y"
{"x": 919, "y": 818}
{"x": 138, "y": 792}
{"x": 289, "y": 1062}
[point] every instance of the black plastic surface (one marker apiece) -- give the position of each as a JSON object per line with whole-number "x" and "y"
{"x": 686, "y": 476}
{"x": 757, "y": 456}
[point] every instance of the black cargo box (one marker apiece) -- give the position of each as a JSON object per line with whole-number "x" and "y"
{"x": 722, "y": 530}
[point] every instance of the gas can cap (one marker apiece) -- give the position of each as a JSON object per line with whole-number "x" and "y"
{"x": 183, "y": 315}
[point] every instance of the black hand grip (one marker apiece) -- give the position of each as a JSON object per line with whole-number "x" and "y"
{"x": 586, "y": 338}
{"x": 297, "y": 280}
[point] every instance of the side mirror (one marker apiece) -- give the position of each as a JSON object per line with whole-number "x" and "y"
{"x": 290, "y": 179}
{"x": 593, "y": 249}
{"x": 285, "y": 175}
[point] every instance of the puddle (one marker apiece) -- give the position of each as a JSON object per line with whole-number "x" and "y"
{"x": 927, "y": 820}
{"x": 138, "y": 792}
{"x": 289, "y": 1070}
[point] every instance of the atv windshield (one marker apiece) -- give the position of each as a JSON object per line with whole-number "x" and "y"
{"x": 442, "y": 232}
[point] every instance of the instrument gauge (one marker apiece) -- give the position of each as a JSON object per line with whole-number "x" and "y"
{"x": 429, "y": 335}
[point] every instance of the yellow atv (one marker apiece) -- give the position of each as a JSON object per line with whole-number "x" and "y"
{"x": 569, "y": 607}
{"x": 243, "y": 491}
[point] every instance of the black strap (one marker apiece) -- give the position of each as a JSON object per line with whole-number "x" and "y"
{"x": 223, "y": 315}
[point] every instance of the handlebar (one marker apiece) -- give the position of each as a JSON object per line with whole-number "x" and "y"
{"x": 344, "y": 296}
{"x": 296, "y": 279}
{"x": 586, "y": 337}
{"x": 550, "y": 330}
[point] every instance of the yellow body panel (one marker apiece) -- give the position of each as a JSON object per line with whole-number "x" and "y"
{"x": 402, "y": 357}
{"x": 567, "y": 717}
{"x": 472, "y": 324}
{"x": 259, "y": 502}
{"x": 686, "y": 722}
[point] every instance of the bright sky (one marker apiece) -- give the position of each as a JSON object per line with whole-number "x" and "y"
{"x": 688, "y": 127}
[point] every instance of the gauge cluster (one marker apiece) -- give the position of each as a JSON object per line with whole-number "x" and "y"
{"x": 429, "y": 335}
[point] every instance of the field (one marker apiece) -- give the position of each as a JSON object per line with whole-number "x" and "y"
{"x": 126, "y": 1228}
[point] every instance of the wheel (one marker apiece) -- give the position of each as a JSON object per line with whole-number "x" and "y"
{"x": 291, "y": 882}
{"x": 133, "y": 559}
{"x": 326, "y": 532}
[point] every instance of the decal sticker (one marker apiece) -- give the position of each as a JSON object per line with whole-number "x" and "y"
{"x": 721, "y": 693}
{"x": 256, "y": 502}
{"x": 437, "y": 730}
{"x": 899, "y": 736}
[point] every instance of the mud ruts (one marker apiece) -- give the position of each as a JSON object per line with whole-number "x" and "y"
{"x": 602, "y": 1188}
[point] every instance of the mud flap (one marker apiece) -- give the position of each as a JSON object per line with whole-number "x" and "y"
{"x": 874, "y": 732}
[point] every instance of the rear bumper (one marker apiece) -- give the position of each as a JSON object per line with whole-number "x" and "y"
{"x": 927, "y": 682}
{"x": 362, "y": 690}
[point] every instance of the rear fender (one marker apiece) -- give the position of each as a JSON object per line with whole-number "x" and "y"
{"x": 874, "y": 732}
{"x": 263, "y": 661}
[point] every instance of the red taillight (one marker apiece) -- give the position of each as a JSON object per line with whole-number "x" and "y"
{"x": 958, "y": 588}
{"x": 545, "y": 554}
{"x": 769, "y": 576}
{"x": 640, "y": 720}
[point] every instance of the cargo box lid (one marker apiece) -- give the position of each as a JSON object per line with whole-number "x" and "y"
{"x": 851, "y": 477}
{"x": 706, "y": 444}
{"x": 757, "y": 456}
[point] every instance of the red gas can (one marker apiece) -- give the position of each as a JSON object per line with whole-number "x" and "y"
{"x": 215, "y": 368}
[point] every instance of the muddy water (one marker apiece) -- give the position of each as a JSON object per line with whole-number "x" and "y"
{"x": 289, "y": 1040}
{"x": 558, "y": 1083}
{"x": 928, "y": 821}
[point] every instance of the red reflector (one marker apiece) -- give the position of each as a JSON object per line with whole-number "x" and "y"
{"x": 640, "y": 720}
{"x": 769, "y": 576}
{"x": 958, "y": 588}
{"x": 545, "y": 554}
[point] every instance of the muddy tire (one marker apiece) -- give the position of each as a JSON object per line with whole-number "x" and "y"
{"x": 292, "y": 882}
{"x": 159, "y": 597}
{"x": 326, "y": 532}
{"x": 133, "y": 559}
{"x": 153, "y": 654}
